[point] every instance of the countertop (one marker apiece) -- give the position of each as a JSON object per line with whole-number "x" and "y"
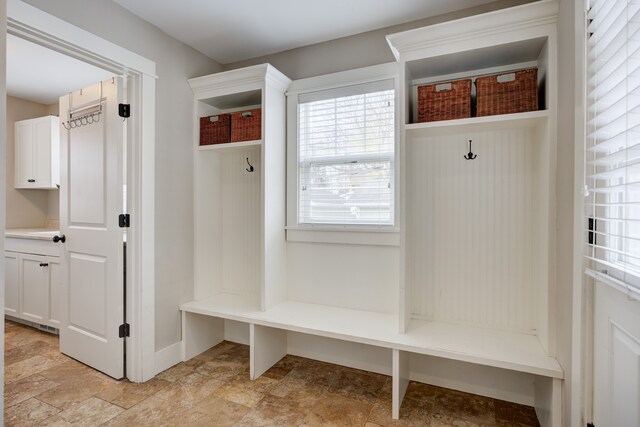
{"x": 31, "y": 233}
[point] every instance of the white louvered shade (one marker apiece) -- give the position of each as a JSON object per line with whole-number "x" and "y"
{"x": 346, "y": 144}
{"x": 613, "y": 139}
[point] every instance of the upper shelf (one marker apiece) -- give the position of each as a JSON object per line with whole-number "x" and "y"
{"x": 229, "y": 146}
{"x": 476, "y": 124}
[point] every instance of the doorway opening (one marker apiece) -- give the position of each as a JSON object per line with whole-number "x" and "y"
{"x": 33, "y": 25}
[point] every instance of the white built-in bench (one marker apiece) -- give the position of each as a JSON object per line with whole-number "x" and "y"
{"x": 268, "y": 339}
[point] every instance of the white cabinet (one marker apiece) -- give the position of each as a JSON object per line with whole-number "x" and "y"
{"x": 37, "y": 153}
{"x": 33, "y": 277}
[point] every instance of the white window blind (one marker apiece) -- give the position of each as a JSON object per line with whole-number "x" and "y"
{"x": 346, "y": 144}
{"x": 613, "y": 142}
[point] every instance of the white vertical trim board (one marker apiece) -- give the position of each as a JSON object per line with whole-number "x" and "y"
{"x": 28, "y": 22}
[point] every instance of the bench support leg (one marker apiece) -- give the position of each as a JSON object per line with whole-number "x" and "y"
{"x": 400, "y": 380}
{"x": 267, "y": 347}
{"x": 200, "y": 333}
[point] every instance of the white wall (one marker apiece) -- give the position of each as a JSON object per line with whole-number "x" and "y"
{"x": 356, "y": 51}
{"x": 175, "y": 63}
{"x": 24, "y": 208}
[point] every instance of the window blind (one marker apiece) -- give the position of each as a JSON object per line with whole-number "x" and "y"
{"x": 346, "y": 145}
{"x": 613, "y": 143}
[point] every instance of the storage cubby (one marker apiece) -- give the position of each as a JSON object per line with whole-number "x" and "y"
{"x": 239, "y": 192}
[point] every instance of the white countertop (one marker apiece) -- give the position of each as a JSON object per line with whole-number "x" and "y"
{"x": 31, "y": 233}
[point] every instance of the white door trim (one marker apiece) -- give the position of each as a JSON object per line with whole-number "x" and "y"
{"x": 33, "y": 24}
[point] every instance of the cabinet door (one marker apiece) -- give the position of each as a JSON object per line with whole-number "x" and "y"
{"x": 24, "y": 154}
{"x": 42, "y": 152}
{"x": 35, "y": 288}
{"x": 11, "y": 284}
{"x": 55, "y": 291}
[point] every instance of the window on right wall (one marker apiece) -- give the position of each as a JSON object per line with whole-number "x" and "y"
{"x": 613, "y": 139}
{"x": 346, "y": 155}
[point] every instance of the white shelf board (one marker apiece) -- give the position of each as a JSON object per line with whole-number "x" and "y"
{"x": 229, "y": 145}
{"x": 476, "y": 124}
{"x": 507, "y": 350}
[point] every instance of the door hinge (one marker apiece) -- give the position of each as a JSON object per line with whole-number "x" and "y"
{"x": 124, "y": 220}
{"x": 124, "y": 110}
{"x": 123, "y": 330}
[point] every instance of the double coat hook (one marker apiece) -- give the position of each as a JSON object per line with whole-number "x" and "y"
{"x": 250, "y": 168}
{"x": 470, "y": 155}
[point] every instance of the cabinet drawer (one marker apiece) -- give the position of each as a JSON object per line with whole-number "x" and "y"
{"x": 32, "y": 246}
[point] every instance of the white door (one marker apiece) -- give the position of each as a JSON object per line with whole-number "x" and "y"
{"x": 91, "y": 168}
{"x": 42, "y": 152}
{"x": 616, "y": 359}
{"x": 11, "y": 284}
{"x": 34, "y": 270}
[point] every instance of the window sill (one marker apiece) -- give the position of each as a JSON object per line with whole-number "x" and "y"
{"x": 373, "y": 236}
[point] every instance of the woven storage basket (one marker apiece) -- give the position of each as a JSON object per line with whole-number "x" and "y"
{"x": 444, "y": 101}
{"x": 215, "y": 129}
{"x": 246, "y": 125}
{"x": 508, "y": 93}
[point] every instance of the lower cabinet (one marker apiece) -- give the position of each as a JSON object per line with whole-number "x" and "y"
{"x": 33, "y": 283}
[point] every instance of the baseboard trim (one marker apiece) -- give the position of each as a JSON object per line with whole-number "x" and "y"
{"x": 168, "y": 357}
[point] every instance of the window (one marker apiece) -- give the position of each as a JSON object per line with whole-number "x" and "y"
{"x": 346, "y": 149}
{"x": 613, "y": 139}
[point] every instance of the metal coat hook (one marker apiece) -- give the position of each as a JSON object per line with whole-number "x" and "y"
{"x": 470, "y": 155}
{"x": 250, "y": 168}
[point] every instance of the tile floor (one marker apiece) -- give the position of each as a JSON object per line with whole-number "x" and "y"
{"x": 46, "y": 388}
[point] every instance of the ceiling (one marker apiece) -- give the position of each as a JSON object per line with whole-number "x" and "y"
{"x": 233, "y": 31}
{"x": 41, "y": 75}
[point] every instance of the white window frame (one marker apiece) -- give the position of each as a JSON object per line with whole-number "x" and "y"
{"x": 387, "y": 235}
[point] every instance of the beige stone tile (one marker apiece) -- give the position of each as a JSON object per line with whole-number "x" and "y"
{"x": 127, "y": 394}
{"x": 26, "y": 388}
{"x": 193, "y": 418}
{"x": 28, "y": 367}
{"x": 22, "y": 335}
{"x": 75, "y": 390}
{"x": 221, "y": 369}
{"x": 189, "y": 390}
{"x": 227, "y": 413}
{"x": 18, "y": 354}
{"x": 244, "y": 391}
{"x": 54, "y": 421}
{"x": 453, "y": 408}
{"x": 413, "y": 413}
{"x": 304, "y": 393}
{"x": 283, "y": 367}
{"x": 66, "y": 372}
{"x": 512, "y": 413}
{"x": 90, "y": 412}
{"x": 318, "y": 372}
{"x": 274, "y": 411}
{"x": 335, "y": 410}
{"x": 423, "y": 392}
{"x": 28, "y": 413}
{"x": 176, "y": 372}
{"x": 151, "y": 412}
{"x": 358, "y": 385}
{"x": 215, "y": 351}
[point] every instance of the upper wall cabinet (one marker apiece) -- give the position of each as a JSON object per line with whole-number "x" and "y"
{"x": 37, "y": 153}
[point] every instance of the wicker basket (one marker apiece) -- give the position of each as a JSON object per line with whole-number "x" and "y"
{"x": 444, "y": 101}
{"x": 215, "y": 129}
{"x": 246, "y": 125}
{"x": 514, "y": 92}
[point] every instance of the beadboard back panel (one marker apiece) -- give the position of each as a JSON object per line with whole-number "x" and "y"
{"x": 241, "y": 219}
{"x": 472, "y": 236}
